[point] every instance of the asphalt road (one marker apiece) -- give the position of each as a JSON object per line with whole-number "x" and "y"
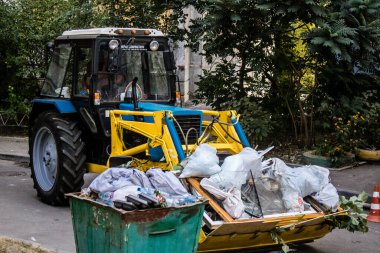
{"x": 23, "y": 216}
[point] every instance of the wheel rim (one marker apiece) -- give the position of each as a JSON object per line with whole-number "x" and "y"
{"x": 45, "y": 159}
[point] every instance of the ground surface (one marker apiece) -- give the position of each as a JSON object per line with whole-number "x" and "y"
{"x": 23, "y": 216}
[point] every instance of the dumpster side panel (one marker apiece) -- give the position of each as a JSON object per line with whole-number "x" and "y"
{"x": 97, "y": 229}
{"x": 107, "y": 229}
{"x": 101, "y": 229}
{"x": 177, "y": 231}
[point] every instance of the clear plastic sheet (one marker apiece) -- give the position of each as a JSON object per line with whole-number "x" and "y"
{"x": 251, "y": 201}
{"x": 270, "y": 196}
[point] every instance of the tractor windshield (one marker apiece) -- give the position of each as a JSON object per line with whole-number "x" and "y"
{"x": 117, "y": 68}
{"x": 54, "y": 80}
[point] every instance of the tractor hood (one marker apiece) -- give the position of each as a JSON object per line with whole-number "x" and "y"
{"x": 152, "y": 107}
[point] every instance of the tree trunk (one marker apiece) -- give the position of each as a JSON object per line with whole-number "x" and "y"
{"x": 242, "y": 72}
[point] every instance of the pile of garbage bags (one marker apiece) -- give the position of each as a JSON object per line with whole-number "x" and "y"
{"x": 248, "y": 186}
{"x": 245, "y": 185}
{"x": 131, "y": 189}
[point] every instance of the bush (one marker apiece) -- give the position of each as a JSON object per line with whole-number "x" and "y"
{"x": 17, "y": 104}
{"x": 255, "y": 121}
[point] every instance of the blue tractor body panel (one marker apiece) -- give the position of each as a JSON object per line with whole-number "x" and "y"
{"x": 63, "y": 106}
{"x": 157, "y": 153}
{"x": 153, "y": 107}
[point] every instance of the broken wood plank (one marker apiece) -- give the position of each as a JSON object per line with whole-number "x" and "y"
{"x": 222, "y": 213}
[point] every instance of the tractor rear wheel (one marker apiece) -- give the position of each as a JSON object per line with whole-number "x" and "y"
{"x": 57, "y": 157}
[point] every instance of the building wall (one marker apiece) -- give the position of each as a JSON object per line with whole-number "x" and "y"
{"x": 188, "y": 61}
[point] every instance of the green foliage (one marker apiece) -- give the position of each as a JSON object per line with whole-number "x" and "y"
{"x": 215, "y": 86}
{"x": 163, "y": 15}
{"x": 34, "y": 24}
{"x": 7, "y": 47}
{"x": 289, "y": 57}
{"x": 273, "y": 61}
{"x": 356, "y": 219}
{"x": 349, "y": 34}
{"x": 24, "y": 60}
{"x": 370, "y": 136}
{"x": 276, "y": 237}
{"x": 255, "y": 121}
{"x": 17, "y": 105}
{"x": 345, "y": 135}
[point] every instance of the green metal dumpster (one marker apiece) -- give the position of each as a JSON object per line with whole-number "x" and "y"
{"x": 102, "y": 229}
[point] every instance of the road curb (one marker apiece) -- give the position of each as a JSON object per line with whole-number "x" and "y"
{"x": 14, "y": 158}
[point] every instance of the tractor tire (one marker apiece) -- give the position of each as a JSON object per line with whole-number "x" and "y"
{"x": 57, "y": 157}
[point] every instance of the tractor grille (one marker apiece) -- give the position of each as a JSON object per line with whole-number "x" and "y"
{"x": 186, "y": 122}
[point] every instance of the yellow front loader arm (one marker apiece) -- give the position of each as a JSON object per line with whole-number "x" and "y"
{"x": 218, "y": 133}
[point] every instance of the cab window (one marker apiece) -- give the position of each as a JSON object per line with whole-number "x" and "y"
{"x": 55, "y": 77}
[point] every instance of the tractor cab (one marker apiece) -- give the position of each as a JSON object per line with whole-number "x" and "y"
{"x": 99, "y": 65}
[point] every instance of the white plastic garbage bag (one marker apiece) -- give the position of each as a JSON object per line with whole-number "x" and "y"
{"x": 166, "y": 182}
{"x": 292, "y": 200}
{"x": 236, "y": 169}
{"x": 231, "y": 198}
{"x": 233, "y": 173}
{"x": 295, "y": 183}
{"x": 255, "y": 164}
{"x": 120, "y": 194}
{"x": 328, "y": 196}
{"x": 306, "y": 179}
{"x": 202, "y": 163}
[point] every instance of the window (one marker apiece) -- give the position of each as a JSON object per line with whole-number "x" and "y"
{"x": 157, "y": 76}
{"x": 84, "y": 72}
{"x": 115, "y": 71}
{"x": 53, "y": 85}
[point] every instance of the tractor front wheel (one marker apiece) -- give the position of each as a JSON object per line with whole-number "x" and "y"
{"x": 57, "y": 157}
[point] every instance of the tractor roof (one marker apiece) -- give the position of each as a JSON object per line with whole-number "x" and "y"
{"x": 109, "y": 31}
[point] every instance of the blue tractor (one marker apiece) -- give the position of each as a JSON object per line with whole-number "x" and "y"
{"x": 93, "y": 71}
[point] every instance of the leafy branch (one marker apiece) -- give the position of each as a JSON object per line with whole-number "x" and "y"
{"x": 356, "y": 219}
{"x": 275, "y": 234}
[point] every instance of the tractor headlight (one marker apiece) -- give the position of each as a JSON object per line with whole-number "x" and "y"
{"x": 154, "y": 45}
{"x": 113, "y": 44}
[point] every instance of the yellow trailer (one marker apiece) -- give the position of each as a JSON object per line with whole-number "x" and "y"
{"x": 228, "y": 234}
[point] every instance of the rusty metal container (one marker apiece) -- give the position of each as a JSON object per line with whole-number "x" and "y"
{"x": 102, "y": 229}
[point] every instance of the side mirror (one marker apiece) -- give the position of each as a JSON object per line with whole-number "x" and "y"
{"x": 49, "y": 51}
{"x": 50, "y": 46}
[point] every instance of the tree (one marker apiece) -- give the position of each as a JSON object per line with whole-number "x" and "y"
{"x": 8, "y": 41}
{"x": 257, "y": 44}
{"x": 38, "y": 22}
{"x": 161, "y": 14}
